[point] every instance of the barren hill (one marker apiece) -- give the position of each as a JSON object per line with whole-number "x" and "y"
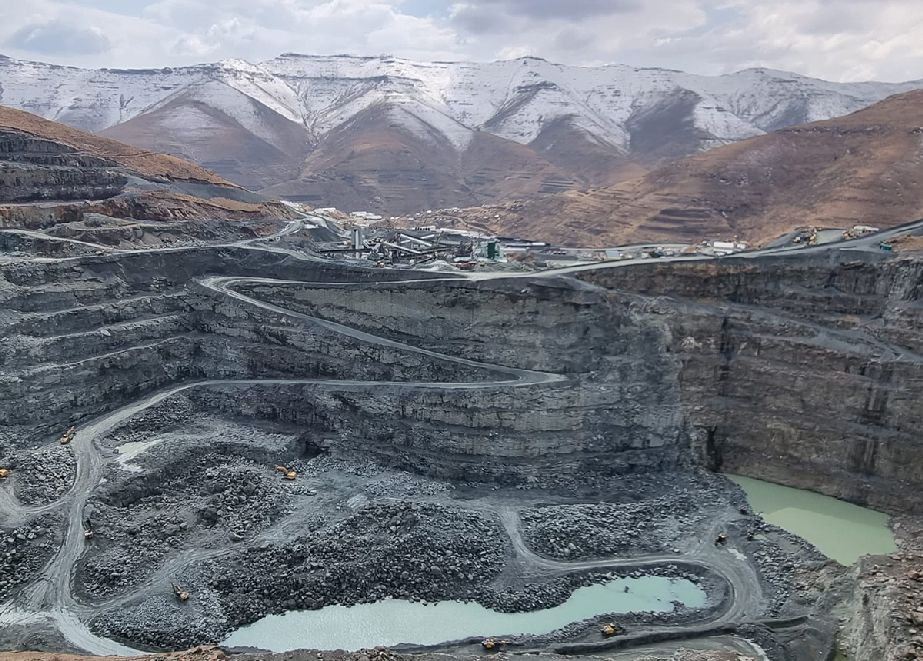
{"x": 864, "y": 168}
{"x": 97, "y": 194}
{"x": 146, "y": 163}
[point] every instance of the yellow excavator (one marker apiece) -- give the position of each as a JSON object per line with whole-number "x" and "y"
{"x": 610, "y": 629}
{"x": 68, "y": 436}
{"x": 181, "y": 595}
{"x": 287, "y": 473}
{"x": 4, "y": 472}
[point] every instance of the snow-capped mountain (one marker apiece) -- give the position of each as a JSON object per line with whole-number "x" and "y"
{"x": 393, "y": 134}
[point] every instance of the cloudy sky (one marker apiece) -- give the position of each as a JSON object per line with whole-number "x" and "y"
{"x": 835, "y": 39}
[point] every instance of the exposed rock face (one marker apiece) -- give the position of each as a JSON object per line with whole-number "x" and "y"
{"x": 884, "y": 617}
{"x": 804, "y": 371}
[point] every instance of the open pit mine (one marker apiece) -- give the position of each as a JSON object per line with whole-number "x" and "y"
{"x": 210, "y": 436}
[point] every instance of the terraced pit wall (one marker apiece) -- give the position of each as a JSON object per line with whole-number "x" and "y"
{"x": 32, "y": 169}
{"x": 802, "y": 370}
{"x": 616, "y": 410}
{"x": 82, "y": 337}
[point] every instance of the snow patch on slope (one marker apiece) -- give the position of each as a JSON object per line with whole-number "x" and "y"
{"x": 429, "y": 124}
{"x": 513, "y": 99}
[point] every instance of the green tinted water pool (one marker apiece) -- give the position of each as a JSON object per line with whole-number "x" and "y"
{"x": 840, "y": 530}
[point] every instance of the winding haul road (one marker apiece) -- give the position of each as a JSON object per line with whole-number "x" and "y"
{"x": 50, "y": 597}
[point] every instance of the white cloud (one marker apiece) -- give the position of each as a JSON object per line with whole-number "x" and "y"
{"x": 834, "y": 39}
{"x": 58, "y": 37}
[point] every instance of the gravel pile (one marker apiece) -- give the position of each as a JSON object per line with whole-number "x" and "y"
{"x": 779, "y": 558}
{"x": 158, "y": 618}
{"x": 43, "y": 475}
{"x": 242, "y": 499}
{"x": 403, "y": 550}
{"x": 172, "y": 411}
{"x": 213, "y": 498}
{"x": 572, "y": 532}
{"x": 24, "y": 551}
{"x": 123, "y": 556}
{"x": 380, "y": 483}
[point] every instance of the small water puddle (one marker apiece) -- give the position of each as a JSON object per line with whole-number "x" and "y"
{"x": 840, "y": 530}
{"x": 394, "y": 621}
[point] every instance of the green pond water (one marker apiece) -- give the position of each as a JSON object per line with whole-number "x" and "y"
{"x": 394, "y": 621}
{"x": 840, "y": 530}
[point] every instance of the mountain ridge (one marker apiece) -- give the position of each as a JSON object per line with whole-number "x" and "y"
{"x": 289, "y": 112}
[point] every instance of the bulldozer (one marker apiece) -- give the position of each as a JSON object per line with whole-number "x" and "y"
{"x": 68, "y": 436}
{"x": 4, "y": 472}
{"x": 287, "y": 473}
{"x": 181, "y": 595}
{"x": 610, "y": 629}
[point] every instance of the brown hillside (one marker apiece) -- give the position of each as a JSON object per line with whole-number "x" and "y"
{"x": 148, "y": 164}
{"x": 193, "y": 130}
{"x": 864, "y": 168}
{"x": 375, "y": 163}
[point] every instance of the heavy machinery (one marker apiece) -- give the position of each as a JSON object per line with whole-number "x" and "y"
{"x": 806, "y": 236}
{"x": 721, "y": 539}
{"x": 4, "y": 472}
{"x": 181, "y": 594}
{"x": 491, "y": 644}
{"x": 68, "y": 436}
{"x": 610, "y": 629}
{"x": 287, "y": 474}
{"x": 87, "y": 529}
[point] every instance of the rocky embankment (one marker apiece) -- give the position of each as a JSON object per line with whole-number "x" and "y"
{"x": 24, "y": 550}
{"x": 883, "y": 619}
{"x": 644, "y": 520}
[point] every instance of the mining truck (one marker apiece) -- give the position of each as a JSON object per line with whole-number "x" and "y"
{"x": 68, "y": 436}
{"x": 287, "y": 474}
